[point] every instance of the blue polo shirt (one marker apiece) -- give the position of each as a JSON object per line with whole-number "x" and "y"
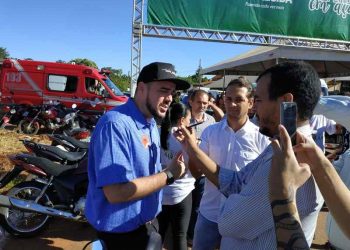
{"x": 123, "y": 147}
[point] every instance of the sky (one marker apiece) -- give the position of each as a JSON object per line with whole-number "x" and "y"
{"x": 51, "y": 30}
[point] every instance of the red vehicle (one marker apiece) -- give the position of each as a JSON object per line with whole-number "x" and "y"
{"x": 36, "y": 83}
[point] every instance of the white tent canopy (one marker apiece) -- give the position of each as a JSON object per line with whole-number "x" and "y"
{"x": 328, "y": 63}
{"x": 222, "y": 83}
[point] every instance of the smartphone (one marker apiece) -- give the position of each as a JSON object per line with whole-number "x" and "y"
{"x": 288, "y": 118}
{"x": 194, "y": 124}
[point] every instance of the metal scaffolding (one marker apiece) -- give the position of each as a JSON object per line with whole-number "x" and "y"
{"x": 136, "y": 43}
{"x": 139, "y": 29}
{"x": 241, "y": 37}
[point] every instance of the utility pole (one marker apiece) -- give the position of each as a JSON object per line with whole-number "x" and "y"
{"x": 199, "y": 73}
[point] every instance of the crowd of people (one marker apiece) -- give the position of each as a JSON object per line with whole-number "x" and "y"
{"x": 229, "y": 180}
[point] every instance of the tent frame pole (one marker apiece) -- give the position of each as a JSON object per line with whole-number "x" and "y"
{"x": 136, "y": 44}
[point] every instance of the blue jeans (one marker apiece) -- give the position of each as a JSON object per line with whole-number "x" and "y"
{"x": 206, "y": 234}
{"x": 197, "y": 193}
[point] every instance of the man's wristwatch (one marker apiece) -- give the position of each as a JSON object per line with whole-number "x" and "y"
{"x": 170, "y": 177}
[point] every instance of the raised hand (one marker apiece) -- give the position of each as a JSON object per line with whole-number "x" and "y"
{"x": 307, "y": 152}
{"x": 177, "y": 166}
{"x": 187, "y": 138}
{"x": 287, "y": 174}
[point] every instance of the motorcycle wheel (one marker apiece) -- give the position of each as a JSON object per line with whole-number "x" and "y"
{"x": 24, "y": 128}
{"x": 24, "y": 223}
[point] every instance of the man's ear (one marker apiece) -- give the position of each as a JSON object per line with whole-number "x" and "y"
{"x": 140, "y": 87}
{"x": 250, "y": 102}
{"x": 182, "y": 119}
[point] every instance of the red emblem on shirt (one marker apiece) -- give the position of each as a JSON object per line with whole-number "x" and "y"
{"x": 145, "y": 141}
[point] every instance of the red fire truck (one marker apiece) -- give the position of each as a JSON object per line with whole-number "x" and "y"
{"x": 35, "y": 83}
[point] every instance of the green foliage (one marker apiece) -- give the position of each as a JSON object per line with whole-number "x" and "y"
{"x": 84, "y": 61}
{"x": 4, "y": 53}
{"x": 194, "y": 79}
{"x": 121, "y": 80}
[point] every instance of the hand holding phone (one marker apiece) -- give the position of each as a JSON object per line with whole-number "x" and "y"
{"x": 288, "y": 118}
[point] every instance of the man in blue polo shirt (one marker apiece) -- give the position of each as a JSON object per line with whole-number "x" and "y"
{"x": 125, "y": 175}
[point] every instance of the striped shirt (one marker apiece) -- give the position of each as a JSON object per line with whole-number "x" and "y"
{"x": 245, "y": 221}
{"x": 228, "y": 149}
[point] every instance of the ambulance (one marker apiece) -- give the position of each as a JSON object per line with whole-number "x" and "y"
{"x": 36, "y": 83}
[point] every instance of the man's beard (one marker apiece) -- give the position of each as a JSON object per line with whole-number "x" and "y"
{"x": 265, "y": 131}
{"x": 152, "y": 110}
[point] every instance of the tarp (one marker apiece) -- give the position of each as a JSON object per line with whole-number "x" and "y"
{"x": 322, "y": 19}
{"x": 223, "y": 82}
{"x": 335, "y": 107}
{"x": 326, "y": 62}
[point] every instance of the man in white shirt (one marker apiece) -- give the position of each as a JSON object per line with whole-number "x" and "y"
{"x": 324, "y": 87}
{"x": 231, "y": 143}
{"x": 199, "y": 102}
{"x": 245, "y": 220}
{"x": 319, "y": 125}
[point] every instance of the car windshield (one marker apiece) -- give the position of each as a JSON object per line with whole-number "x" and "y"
{"x": 113, "y": 87}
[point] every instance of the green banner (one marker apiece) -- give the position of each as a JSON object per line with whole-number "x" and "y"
{"x": 322, "y": 19}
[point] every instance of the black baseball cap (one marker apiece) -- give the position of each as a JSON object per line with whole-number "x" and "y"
{"x": 159, "y": 71}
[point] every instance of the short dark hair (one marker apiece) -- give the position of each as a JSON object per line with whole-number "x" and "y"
{"x": 298, "y": 78}
{"x": 198, "y": 92}
{"x": 241, "y": 82}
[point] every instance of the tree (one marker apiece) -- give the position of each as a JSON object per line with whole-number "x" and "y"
{"x": 194, "y": 79}
{"x": 84, "y": 61}
{"x": 121, "y": 80}
{"x": 3, "y": 53}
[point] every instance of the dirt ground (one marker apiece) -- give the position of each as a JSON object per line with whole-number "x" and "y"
{"x": 63, "y": 234}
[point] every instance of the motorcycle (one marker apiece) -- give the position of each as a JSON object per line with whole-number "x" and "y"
{"x": 53, "y": 153}
{"x": 8, "y": 113}
{"x": 30, "y": 123}
{"x": 89, "y": 120}
{"x": 79, "y": 134}
{"x": 57, "y": 190}
{"x": 53, "y": 117}
{"x": 68, "y": 143}
{"x": 57, "y": 153}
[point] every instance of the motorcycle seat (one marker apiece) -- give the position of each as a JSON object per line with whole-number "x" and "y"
{"x": 49, "y": 167}
{"x": 65, "y": 155}
{"x": 76, "y": 143}
{"x": 53, "y": 153}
